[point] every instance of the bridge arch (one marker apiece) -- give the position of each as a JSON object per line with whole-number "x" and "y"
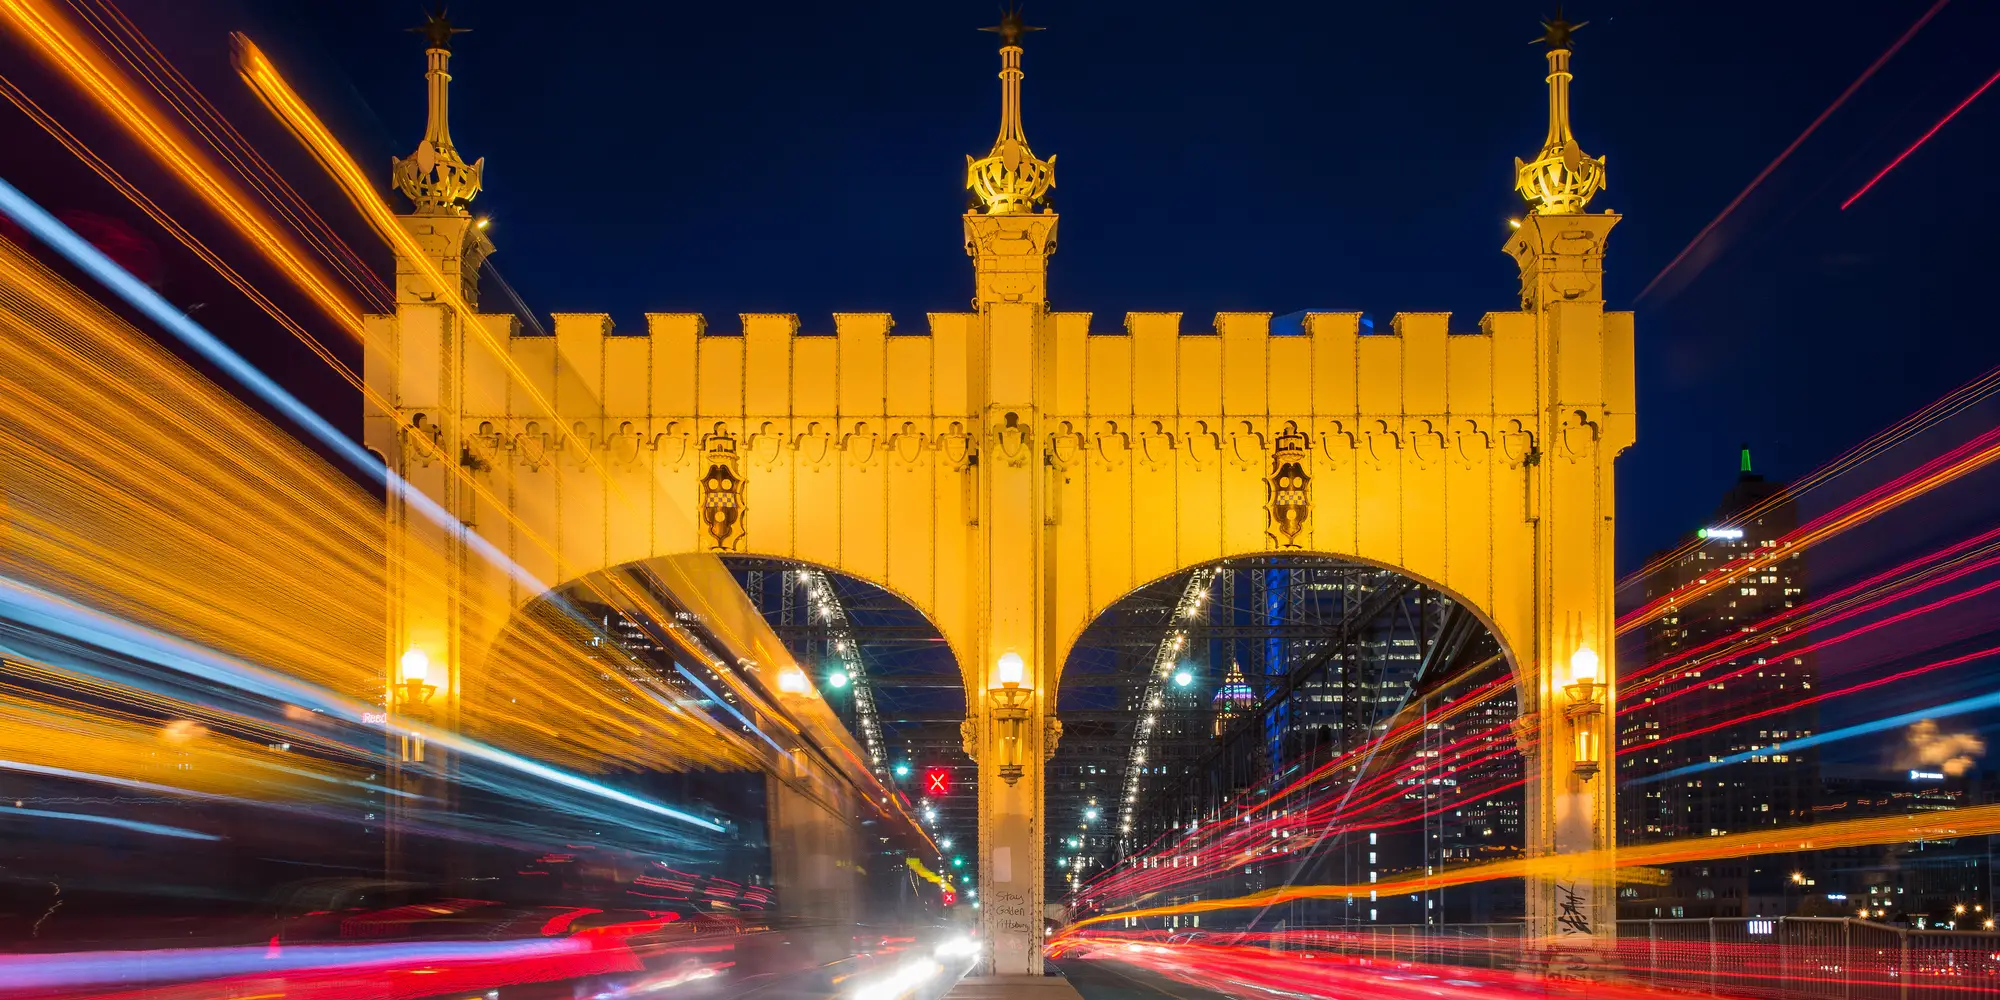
{"x": 1472, "y": 607}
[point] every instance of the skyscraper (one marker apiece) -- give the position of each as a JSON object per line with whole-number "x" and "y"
{"x": 1698, "y": 674}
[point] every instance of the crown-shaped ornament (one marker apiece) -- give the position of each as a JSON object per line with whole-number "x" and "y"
{"x": 1561, "y": 179}
{"x": 435, "y": 179}
{"x": 1290, "y": 445}
{"x": 1010, "y": 180}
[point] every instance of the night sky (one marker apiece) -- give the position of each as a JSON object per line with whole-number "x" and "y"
{"x": 808, "y": 158}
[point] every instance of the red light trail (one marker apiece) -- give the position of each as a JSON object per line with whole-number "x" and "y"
{"x": 1926, "y": 137}
{"x": 1810, "y": 129}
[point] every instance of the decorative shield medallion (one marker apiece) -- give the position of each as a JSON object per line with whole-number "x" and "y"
{"x": 723, "y": 490}
{"x": 1290, "y": 486}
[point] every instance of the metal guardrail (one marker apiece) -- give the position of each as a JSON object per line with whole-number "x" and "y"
{"x": 1779, "y": 958}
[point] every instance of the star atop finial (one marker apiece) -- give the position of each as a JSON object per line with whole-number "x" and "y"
{"x": 1556, "y": 32}
{"x": 437, "y": 30}
{"x": 1010, "y": 29}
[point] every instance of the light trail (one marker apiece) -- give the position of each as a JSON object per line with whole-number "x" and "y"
{"x": 89, "y": 68}
{"x": 156, "y": 829}
{"x": 59, "y": 42}
{"x": 105, "y": 969}
{"x": 204, "y": 484}
{"x": 1930, "y": 415}
{"x": 24, "y": 604}
{"x": 1911, "y": 577}
{"x": 1596, "y": 865}
{"x": 1866, "y": 74}
{"x": 277, "y": 94}
{"x": 1853, "y": 633}
{"x": 1926, "y": 137}
{"x": 173, "y": 227}
{"x": 1898, "y": 721}
{"x": 1242, "y": 838}
{"x": 189, "y": 469}
{"x": 1954, "y": 465}
{"x": 1851, "y": 689}
{"x": 147, "y": 62}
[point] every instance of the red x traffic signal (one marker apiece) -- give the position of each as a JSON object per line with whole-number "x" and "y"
{"x": 937, "y": 781}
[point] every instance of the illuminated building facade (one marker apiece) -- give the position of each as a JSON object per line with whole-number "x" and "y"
{"x": 1921, "y": 883}
{"x": 1707, "y": 678}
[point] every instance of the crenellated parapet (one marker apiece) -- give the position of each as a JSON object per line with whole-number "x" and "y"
{"x": 852, "y": 447}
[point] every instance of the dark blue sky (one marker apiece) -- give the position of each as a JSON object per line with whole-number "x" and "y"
{"x": 808, "y": 158}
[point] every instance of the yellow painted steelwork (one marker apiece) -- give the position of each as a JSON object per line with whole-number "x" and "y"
{"x": 1012, "y": 471}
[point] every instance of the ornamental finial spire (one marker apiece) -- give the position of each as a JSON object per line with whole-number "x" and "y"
{"x": 1563, "y": 178}
{"x": 434, "y": 178}
{"x": 1011, "y": 180}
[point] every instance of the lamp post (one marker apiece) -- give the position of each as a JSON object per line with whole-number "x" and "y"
{"x": 415, "y": 691}
{"x": 413, "y": 696}
{"x": 1585, "y": 708}
{"x": 1011, "y": 697}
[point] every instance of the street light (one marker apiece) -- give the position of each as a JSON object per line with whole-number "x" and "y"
{"x": 416, "y": 671}
{"x": 1011, "y": 697}
{"x": 1584, "y": 710}
{"x": 1090, "y": 814}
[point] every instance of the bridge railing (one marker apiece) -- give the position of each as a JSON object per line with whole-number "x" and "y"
{"x": 1779, "y": 958}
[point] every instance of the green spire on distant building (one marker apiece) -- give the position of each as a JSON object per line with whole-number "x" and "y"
{"x": 1746, "y": 461}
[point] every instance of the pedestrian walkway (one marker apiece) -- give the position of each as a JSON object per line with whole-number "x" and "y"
{"x": 1013, "y": 988}
{"x": 1097, "y": 979}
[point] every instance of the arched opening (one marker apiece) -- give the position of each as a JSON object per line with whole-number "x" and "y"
{"x": 674, "y": 697}
{"x": 1285, "y": 719}
{"x": 891, "y": 677}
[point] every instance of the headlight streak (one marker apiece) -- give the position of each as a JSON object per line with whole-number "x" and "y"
{"x": 19, "y": 602}
{"x": 44, "y": 226}
{"x": 100, "y": 969}
{"x": 7, "y": 811}
{"x": 1959, "y": 707}
{"x": 73, "y": 247}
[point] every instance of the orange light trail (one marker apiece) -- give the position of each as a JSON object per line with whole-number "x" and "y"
{"x": 138, "y": 52}
{"x": 179, "y": 232}
{"x": 1598, "y": 865}
{"x": 137, "y": 487}
{"x": 271, "y": 87}
{"x": 49, "y": 33}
